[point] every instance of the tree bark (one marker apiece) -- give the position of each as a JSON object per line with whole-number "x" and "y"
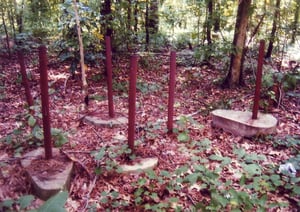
{"x": 81, "y": 51}
{"x": 19, "y": 16}
{"x": 147, "y": 24}
{"x": 151, "y": 19}
{"x": 274, "y": 29}
{"x": 209, "y": 21}
{"x": 296, "y": 22}
{"x": 106, "y": 12}
{"x": 234, "y": 77}
{"x": 135, "y": 17}
{"x": 25, "y": 80}
{"x": 6, "y": 33}
{"x": 217, "y": 17}
{"x": 11, "y": 17}
{"x": 129, "y": 16}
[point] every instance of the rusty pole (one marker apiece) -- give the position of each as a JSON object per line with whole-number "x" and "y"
{"x": 109, "y": 77}
{"x": 258, "y": 78}
{"x": 172, "y": 82}
{"x": 45, "y": 101}
{"x": 132, "y": 99}
{"x": 25, "y": 79}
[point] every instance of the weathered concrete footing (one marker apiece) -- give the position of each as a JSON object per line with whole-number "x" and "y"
{"x": 139, "y": 165}
{"x": 241, "y": 123}
{"x": 112, "y": 122}
{"x": 47, "y": 177}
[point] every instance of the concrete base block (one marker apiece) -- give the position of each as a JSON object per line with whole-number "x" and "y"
{"x": 241, "y": 122}
{"x": 139, "y": 165}
{"x": 98, "y": 121}
{"x": 48, "y": 177}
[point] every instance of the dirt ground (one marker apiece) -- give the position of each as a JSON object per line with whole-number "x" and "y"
{"x": 197, "y": 93}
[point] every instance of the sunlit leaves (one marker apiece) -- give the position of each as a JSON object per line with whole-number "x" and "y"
{"x": 183, "y": 137}
{"x": 31, "y": 121}
{"x": 25, "y": 201}
{"x": 60, "y": 138}
{"x": 98, "y": 155}
{"x": 55, "y": 203}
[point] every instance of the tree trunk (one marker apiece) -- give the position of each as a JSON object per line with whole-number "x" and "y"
{"x": 209, "y": 21}
{"x": 296, "y": 22}
{"x": 11, "y": 17}
{"x": 147, "y": 24}
{"x": 6, "y": 33}
{"x": 25, "y": 82}
{"x": 135, "y": 17}
{"x": 129, "y": 16}
{"x": 274, "y": 29}
{"x": 234, "y": 77}
{"x": 19, "y": 16}
{"x": 81, "y": 51}
{"x": 106, "y": 12}
{"x": 217, "y": 17}
{"x": 153, "y": 17}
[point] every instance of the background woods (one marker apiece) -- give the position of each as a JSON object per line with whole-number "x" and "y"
{"x": 206, "y": 27}
{"x": 213, "y": 62}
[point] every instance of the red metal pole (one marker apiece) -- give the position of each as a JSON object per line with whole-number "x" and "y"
{"x": 258, "y": 78}
{"x": 24, "y": 79}
{"x": 109, "y": 77}
{"x": 132, "y": 99}
{"x": 45, "y": 101}
{"x": 172, "y": 82}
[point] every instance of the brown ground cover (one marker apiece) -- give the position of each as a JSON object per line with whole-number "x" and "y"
{"x": 197, "y": 93}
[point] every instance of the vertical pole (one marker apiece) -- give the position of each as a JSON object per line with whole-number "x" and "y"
{"x": 258, "y": 78}
{"x": 24, "y": 79}
{"x": 109, "y": 77}
{"x": 45, "y": 101}
{"x": 132, "y": 99}
{"x": 172, "y": 82}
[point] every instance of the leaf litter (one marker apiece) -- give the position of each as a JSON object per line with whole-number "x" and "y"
{"x": 197, "y": 93}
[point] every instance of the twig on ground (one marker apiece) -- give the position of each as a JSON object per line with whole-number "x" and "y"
{"x": 87, "y": 196}
{"x": 191, "y": 199}
{"x": 65, "y": 85}
{"x": 79, "y": 162}
{"x": 97, "y": 134}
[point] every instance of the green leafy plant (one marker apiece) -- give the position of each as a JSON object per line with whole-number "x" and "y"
{"x": 112, "y": 200}
{"x": 150, "y": 62}
{"x": 21, "y": 203}
{"x": 152, "y": 189}
{"x": 275, "y": 84}
{"x": 67, "y": 46}
{"x": 183, "y": 125}
{"x": 147, "y": 87}
{"x": 215, "y": 50}
{"x": 55, "y": 203}
{"x": 21, "y": 137}
{"x": 291, "y": 142}
{"x": 121, "y": 86}
{"x": 106, "y": 158}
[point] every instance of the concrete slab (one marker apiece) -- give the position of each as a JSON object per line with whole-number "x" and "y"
{"x": 48, "y": 177}
{"x": 139, "y": 165}
{"x": 98, "y": 121}
{"x": 241, "y": 122}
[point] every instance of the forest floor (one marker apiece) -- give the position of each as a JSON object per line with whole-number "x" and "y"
{"x": 199, "y": 166}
